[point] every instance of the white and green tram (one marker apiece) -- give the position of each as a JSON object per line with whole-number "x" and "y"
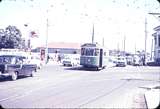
{"x": 94, "y": 56}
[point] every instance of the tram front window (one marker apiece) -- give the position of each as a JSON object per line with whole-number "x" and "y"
{"x": 90, "y": 52}
{"x": 96, "y": 52}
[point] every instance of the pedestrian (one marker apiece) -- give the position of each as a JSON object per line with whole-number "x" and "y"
{"x": 59, "y": 58}
{"x": 47, "y": 59}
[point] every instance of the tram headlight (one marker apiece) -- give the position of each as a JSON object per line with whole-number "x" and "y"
{"x": 89, "y": 60}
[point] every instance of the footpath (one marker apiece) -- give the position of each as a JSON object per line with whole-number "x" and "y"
{"x": 152, "y": 97}
{"x": 148, "y": 97}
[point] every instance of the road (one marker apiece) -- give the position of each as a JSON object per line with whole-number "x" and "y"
{"x": 55, "y": 86}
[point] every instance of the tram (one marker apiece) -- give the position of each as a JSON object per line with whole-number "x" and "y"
{"x": 94, "y": 56}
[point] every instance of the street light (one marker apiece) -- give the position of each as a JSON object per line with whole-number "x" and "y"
{"x": 47, "y": 29}
{"x": 28, "y": 42}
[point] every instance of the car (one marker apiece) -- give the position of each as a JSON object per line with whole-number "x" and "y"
{"x": 111, "y": 62}
{"x": 137, "y": 61}
{"x": 15, "y": 66}
{"x": 71, "y": 60}
{"x": 121, "y": 61}
{"x": 36, "y": 60}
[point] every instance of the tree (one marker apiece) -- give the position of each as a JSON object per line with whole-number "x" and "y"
{"x": 11, "y": 38}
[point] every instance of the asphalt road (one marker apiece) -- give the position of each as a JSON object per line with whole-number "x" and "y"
{"x": 55, "y": 86}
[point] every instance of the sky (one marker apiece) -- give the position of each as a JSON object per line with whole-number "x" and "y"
{"x": 73, "y": 20}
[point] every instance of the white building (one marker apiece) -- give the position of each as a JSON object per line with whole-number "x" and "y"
{"x": 156, "y": 36}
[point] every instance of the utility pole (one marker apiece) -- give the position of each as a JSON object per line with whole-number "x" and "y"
{"x": 152, "y": 50}
{"x": 46, "y": 53}
{"x": 118, "y": 50}
{"x": 124, "y": 45}
{"x": 93, "y": 34}
{"x": 145, "y": 49}
{"x": 103, "y": 41}
{"x": 135, "y": 48}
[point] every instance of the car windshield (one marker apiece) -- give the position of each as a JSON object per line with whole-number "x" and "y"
{"x": 67, "y": 57}
{"x": 7, "y": 59}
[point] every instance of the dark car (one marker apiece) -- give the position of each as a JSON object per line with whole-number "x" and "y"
{"x": 15, "y": 66}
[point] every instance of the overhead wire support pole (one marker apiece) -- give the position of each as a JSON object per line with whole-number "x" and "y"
{"x": 124, "y": 41}
{"x": 93, "y": 34}
{"x": 145, "y": 48}
{"x": 103, "y": 41}
{"x": 46, "y": 54}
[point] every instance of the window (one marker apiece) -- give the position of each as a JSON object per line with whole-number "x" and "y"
{"x": 96, "y": 52}
{"x": 14, "y": 60}
{"x": 1, "y": 60}
{"x": 87, "y": 51}
{"x": 83, "y": 51}
{"x": 155, "y": 39}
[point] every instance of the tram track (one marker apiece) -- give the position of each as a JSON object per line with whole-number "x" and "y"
{"x": 45, "y": 83}
{"x": 50, "y": 85}
{"x": 103, "y": 95}
{"x": 65, "y": 88}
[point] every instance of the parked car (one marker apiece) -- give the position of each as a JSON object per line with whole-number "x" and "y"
{"x": 15, "y": 66}
{"x": 137, "y": 61}
{"x": 36, "y": 60}
{"x": 71, "y": 60}
{"x": 112, "y": 62}
{"x": 129, "y": 60}
{"x": 121, "y": 61}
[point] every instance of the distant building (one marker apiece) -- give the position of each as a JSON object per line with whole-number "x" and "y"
{"x": 156, "y": 36}
{"x": 117, "y": 53}
{"x": 59, "y": 48}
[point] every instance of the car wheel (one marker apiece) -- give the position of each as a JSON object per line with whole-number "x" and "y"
{"x": 14, "y": 76}
{"x": 32, "y": 73}
{"x": 36, "y": 69}
{"x": 97, "y": 68}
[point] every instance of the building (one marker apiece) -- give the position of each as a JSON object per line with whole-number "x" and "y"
{"x": 56, "y": 48}
{"x": 156, "y": 36}
{"x": 61, "y": 47}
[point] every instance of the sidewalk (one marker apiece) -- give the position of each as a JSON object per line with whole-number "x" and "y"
{"x": 133, "y": 100}
{"x": 153, "y": 97}
{"x": 139, "y": 99}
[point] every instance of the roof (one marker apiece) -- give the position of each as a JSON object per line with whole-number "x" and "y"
{"x": 157, "y": 28}
{"x": 11, "y": 56}
{"x": 64, "y": 45}
{"x": 90, "y": 45}
{"x": 154, "y": 34}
